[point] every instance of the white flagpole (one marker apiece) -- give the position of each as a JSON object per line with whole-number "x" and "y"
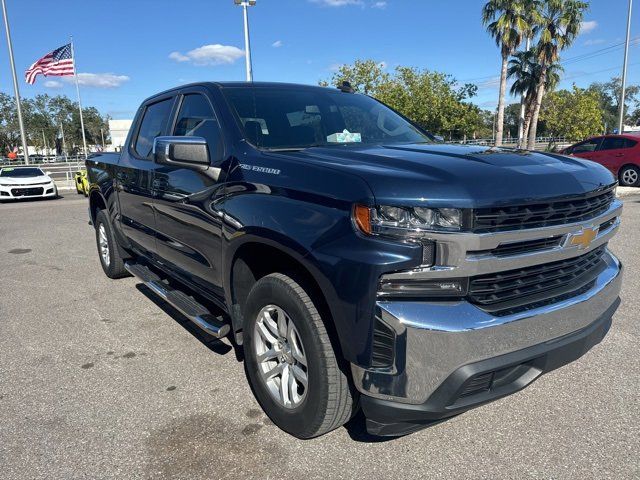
{"x": 75, "y": 75}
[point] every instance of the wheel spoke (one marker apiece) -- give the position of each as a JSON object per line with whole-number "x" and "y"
{"x": 268, "y": 355}
{"x": 266, "y": 334}
{"x": 296, "y": 350}
{"x": 282, "y": 323}
{"x": 270, "y": 323}
{"x": 300, "y": 375}
{"x": 273, "y": 372}
{"x": 284, "y": 385}
{"x": 293, "y": 387}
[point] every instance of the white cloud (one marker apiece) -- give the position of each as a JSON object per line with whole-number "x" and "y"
{"x": 209, "y": 55}
{"x": 380, "y": 5}
{"x": 53, "y": 84}
{"x": 277, "y": 44}
{"x": 594, "y": 41}
{"x": 588, "y": 26}
{"x": 491, "y": 83}
{"x": 338, "y": 3}
{"x": 99, "y": 80}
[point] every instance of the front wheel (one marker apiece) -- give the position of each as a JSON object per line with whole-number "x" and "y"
{"x": 290, "y": 362}
{"x": 629, "y": 176}
{"x": 110, "y": 259}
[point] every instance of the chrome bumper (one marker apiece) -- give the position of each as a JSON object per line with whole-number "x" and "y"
{"x": 440, "y": 337}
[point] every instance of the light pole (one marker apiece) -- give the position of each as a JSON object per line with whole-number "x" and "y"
{"x": 624, "y": 74}
{"x": 16, "y": 89}
{"x": 247, "y": 43}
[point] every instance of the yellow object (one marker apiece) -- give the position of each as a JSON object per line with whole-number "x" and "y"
{"x": 82, "y": 182}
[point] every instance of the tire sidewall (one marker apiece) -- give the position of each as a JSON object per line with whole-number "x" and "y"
{"x": 304, "y": 420}
{"x": 102, "y": 220}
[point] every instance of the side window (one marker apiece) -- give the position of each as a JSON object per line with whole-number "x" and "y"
{"x": 588, "y": 146}
{"x": 153, "y": 125}
{"x": 196, "y": 119}
{"x": 615, "y": 143}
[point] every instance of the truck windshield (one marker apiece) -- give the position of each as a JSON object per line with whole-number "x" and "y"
{"x": 283, "y": 118}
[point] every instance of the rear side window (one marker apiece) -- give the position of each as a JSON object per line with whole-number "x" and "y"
{"x": 615, "y": 143}
{"x": 153, "y": 125}
{"x": 196, "y": 119}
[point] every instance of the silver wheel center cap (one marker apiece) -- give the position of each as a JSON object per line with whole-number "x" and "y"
{"x": 284, "y": 353}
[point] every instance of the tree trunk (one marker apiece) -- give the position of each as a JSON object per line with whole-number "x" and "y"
{"x": 528, "y": 112}
{"x": 531, "y": 142}
{"x": 501, "y": 95}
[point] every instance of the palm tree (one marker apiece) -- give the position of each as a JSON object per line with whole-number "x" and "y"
{"x": 525, "y": 69}
{"x": 505, "y": 21}
{"x": 558, "y": 26}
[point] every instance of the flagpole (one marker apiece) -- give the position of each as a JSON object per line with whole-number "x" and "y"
{"x": 16, "y": 89}
{"x": 75, "y": 75}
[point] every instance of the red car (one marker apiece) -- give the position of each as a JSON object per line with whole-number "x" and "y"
{"x": 619, "y": 153}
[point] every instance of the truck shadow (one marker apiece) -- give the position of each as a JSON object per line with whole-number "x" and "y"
{"x": 212, "y": 343}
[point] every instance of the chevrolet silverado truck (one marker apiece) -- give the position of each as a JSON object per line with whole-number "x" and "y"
{"x": 356, "y": 262}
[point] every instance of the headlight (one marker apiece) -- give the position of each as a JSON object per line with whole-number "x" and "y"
{"x": 406, "y": 222}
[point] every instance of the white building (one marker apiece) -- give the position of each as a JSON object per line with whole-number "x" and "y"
{"x": 119, "y": 129}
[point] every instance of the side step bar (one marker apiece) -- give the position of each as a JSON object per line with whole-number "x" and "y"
{"x": 194, "y": 311}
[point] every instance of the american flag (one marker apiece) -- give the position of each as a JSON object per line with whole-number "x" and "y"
{"x": 58, "y": 63}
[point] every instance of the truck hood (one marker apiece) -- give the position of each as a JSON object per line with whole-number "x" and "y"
{"x": 25, "y": 180}
{"x": 461, "y": 176}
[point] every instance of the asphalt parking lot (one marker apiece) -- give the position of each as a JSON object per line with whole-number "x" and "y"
{"x": 97, "y": 380}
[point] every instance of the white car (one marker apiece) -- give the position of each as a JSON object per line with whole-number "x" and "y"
{"x": 25, "y": 182}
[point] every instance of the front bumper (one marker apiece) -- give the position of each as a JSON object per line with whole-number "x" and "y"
{"x": 453, "y": 356}
{"x": 28, "y": 191}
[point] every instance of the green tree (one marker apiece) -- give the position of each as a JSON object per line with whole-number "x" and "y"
{"x": 574, "y": 114}
{"x": 525, "y": 70}
{"x": 558, "y": 26}
{"x": 609, "y": 95}
{"x": 365, "y": 76}
{"x": 506, "y": 22}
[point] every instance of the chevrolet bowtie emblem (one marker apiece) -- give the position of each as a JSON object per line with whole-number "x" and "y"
{"x": 583, "y": 238}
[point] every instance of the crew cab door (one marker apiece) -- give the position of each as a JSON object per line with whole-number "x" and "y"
{"x": 188, "y": 221}
{"x": 134, "y": 175}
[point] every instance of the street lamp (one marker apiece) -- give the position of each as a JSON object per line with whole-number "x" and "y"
{"x": 247, "y": 45}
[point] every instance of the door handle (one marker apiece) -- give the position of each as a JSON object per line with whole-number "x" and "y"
{"x": 619, "y": 154}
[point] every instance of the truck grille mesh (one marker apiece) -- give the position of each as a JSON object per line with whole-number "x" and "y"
{"x": 517, "y": 290}
{"x": 538, "y": 215}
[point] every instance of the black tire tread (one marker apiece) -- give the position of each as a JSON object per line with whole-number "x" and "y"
{"x": 116, "y": 268}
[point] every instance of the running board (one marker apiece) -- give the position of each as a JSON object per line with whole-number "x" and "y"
{"x": 194, "y": 311}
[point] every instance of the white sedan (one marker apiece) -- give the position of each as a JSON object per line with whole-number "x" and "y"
{"x": 25, "y": 182}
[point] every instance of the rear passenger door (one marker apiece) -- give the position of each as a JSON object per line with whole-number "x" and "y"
{"x": 188, "y": 221}
{"x": 615, "y": 152}
{"x": 134, "y": 175}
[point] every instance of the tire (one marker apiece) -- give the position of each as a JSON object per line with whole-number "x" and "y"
{"x": 326, "y": 401}
{"x": 629, "y": 176}
{"x": 112, "y": 263}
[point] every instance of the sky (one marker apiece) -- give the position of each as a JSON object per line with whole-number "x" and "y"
{"x": 129, "y": 50}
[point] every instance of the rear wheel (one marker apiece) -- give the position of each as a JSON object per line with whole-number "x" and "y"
{"x": 110, "y": 259}
{"x": 629, "y": 176}
{"x": 290, "y": 362}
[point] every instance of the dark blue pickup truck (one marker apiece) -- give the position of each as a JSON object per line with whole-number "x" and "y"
{"x": 357, "y": 262}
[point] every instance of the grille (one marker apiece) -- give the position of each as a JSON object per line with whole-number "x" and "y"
{"x": 509, "y": 249}
{"x": 24, "y": 192}
{"x": 516, "y": 290}
{"x": 538, "y": 215}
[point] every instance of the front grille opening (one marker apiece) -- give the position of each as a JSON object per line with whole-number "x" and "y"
{"x": 538, "y": 215}
{"x": 527, "y": 246}
{"x": 384, "y": 342}
{"x": 522, "y": 289}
